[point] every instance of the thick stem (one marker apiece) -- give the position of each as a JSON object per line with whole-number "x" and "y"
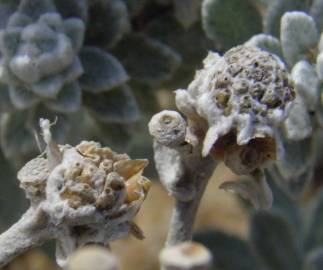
{"x": 184, "y": 213}
{"x": 30, "y": 231}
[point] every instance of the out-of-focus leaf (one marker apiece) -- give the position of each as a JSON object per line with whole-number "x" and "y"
{"x": 230, "y": 22}
{"x": 316, "y": 12}
{"x": 69, "y": 99}
{"x": 167, "y": 30}
{"x": 295, "y": 167}
{"x": 5, "y": 102}
{"x": 314, "y": 260}
{"x": 267, "y": 43}
{"x": 35, "y": 8}
{"x": 72, "y": 8}
{"x": 276, "y": 9}
{"x": 187, "y": 12}
{"x": 229, "y": 252}
{"x": 102, "y": 71}
{"x": 147, "y": 60}
{"x": 109, "y": 22}
{"x": 116, "y": 106}
{"x": 135, "y": 6}
{"x": 314, "y": 226}
{"x": 22, "y": 98}
{"x": 16, "y": 138}
{"x": 274, "y": 242}
{"x": 298, "y": 35}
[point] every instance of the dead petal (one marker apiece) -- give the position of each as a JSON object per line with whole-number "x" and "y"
{"x": 128, "y": 168}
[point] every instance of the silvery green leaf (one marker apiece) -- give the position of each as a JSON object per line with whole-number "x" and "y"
{"x": 7, "y": 8}
{"x": 168, "y": 31}
{"x": 256, "y": 191}
{"x": 298, "y": 124}
{"x": 187, "y": 12}
{"x": 149, "y": 61}
{"x": 75, "y": 30}
{"x": 229, "y": 252}
{"x": 319, "y": 66}
{"x": 16, "y": 139}
{"x": 9, "y": 41}
{"x": 230, "y": 22}
{"x": 274, "y": 241}
{"x": 115, "y": 106}
{"x": 295, "y": 167}
{"x": 316, "y": 11}
{"x": 314, "y": 260}
{"x": 314, "y": 225}
{"x": 18, "y": 19}
{"x": 267, "y": 43}
{"x": 72, "y": 8}
{"x": 109, "y": 22}
{"x": 298, "y": 35}
{"x": 102, "y": 71}
{"x": 52, "y": 19}
{"x": 5, "y": 101}
{"x": 74, "y": 71}
{"x": 35, "y": 8}
{"x": 276, "y": 9}
{"x": 306, "y": 83}
{"x": 22, "y": 98}
{"x": 68, "y": 100}
{"x": 48, "y": 87}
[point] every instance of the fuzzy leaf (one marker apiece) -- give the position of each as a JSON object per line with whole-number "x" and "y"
{"x": 68, "y": 100}
{"x": 229, "y": 252}
{"x": 298, "y": 35}
{"x": 187, "y": 12}
{"x": 230, "y": 22}
{"x": 314, "y": 260}
{"x": 116, "y": 106}
{"x": 306, "y": 83}
{"x": 298, "y": 125}
{"x": 16, "y": 138}
{"x": 148, "y": 61}
{"x": 35, "y": 8}
{"x": 5, "y": 101}
{"x": 18, "y": 19}
{"x": 276, "y": 10}
{"x": 267, "y": 43}
{"x": 49, "y": 87}
{"x": 314, "y": 226}
{"x": 274, "y": 241}
{"x": 316, "y": 11}
{"x": 295, "y": 167}
{"x": 109, "y": 22}
{"x": 102, "y": 71}
{"x": 75, "y": 30}
{"x": 22, "y": 98}
{"x": 9, "y": 41}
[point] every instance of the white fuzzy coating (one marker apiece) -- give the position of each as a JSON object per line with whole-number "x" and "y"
{"x": 247, "y": 91}
{"x": 186, "y": 256}
{"x": 168, "y": 127}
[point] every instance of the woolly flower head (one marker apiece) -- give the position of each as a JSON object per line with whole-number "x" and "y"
{"x": 235, "y": 105}
{"x": 88, "y": 191}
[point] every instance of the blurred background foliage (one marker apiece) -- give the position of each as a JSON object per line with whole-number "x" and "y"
{"x": 126, "y": 57}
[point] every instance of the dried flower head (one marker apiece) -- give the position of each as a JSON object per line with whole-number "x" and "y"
{"x": 90, "y": 193}
{"x": 235, "y": 105}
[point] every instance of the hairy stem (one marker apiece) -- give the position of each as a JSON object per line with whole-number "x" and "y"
{"x": 184, "y": 212}
{"x": 30, "y": 231}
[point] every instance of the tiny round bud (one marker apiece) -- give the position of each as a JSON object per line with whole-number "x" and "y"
{"x": 186, "y": 256}
{"x": 93, "y": 257}
{"x": 168, "y": 128}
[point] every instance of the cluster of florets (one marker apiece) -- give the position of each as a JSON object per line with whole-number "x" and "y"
{"x": 94, "y": 193}
{"x": 39, "y": 58}
{"x": 237, "y": 100}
